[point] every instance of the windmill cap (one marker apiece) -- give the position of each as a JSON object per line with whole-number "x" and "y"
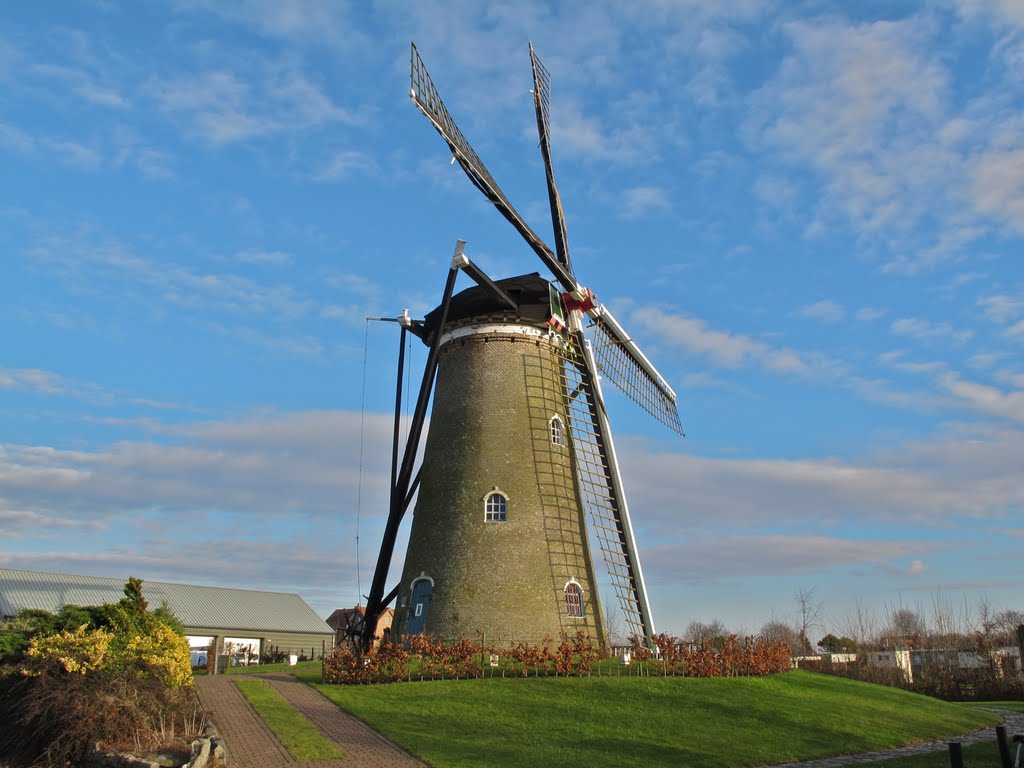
{"x": 530, "y": 292}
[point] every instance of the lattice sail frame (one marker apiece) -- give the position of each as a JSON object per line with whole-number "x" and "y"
{"x": 599, "y": 484}
{"x": 623, "y": 370}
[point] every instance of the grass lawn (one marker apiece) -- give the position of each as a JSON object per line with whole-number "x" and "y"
{"x": 299, "y": 736}
{"x": 596, "y": 722}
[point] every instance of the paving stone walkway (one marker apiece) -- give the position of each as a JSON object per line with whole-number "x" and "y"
{"x": 250, "y": 744}
{"x": 1014, "y": 722}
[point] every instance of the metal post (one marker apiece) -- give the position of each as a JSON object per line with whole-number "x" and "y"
{"x": 1004, "y": 747}
{"x": 956, "y": 755}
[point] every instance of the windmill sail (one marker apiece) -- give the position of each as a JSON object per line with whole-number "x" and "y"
{"x": 620, "y": 359}
{"x": 426, "y": 97}
{"x": 600, "y": 486}
{"x": 542, "y": 104}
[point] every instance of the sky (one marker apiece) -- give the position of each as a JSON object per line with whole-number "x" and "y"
{"x": 810, "y": 215}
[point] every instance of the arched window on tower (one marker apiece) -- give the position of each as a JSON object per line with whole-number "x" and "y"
{"x": 495, "y": 507}
{"x": 557, "y": 431}
{"x": 573, "y": 599}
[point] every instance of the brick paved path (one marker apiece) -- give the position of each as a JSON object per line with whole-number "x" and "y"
{"x": 1014, "y": 722}
{"x": 250, "y": 744}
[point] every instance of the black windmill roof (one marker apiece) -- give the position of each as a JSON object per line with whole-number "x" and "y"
{"x": 530, "y": 292}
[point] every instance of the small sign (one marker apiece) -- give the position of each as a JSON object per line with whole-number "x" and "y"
{"x": 494, "y": 659}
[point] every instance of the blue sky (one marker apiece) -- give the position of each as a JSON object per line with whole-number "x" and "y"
{"x": 810, "y": 215}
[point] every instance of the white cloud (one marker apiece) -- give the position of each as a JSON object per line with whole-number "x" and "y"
{"x": 301, "y": 21}
{"x": 985, "y": 360}
{"x": 867, "y": 314}
{"x": 82, "y": 83}
{"x": 952, "y": 476}
{"x": 986, "y": 399}
{"x": 998, "y": 186}
{"x": 277, "y": 258}
{"x": 639, "y": 202}
{"x": 222, "y": 108}
{"x": 32, "y": 379}
{"x": 292, "y": 464}
{"x": 924, "y": 330}
{"x": 869, "y": 108}
{"x": 826, "y": 310}
{"x": 15, "y": 139}
{"x": 730, "y": 350}
{"x": 72, "y": 153}
{"x": 343, "y": 164}
{"x": 1000, "y": 308}
{"x": 766, "y": 555}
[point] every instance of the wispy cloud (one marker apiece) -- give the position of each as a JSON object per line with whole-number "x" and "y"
{"x": 302, "y": 21}
{"x": 1001, "y": 308}
{"x": 639, "y": 202}
{"x": 933, "y": 482}
{"x": 826, "y": 309}
{"x": 986, "y": 399}
{"x": 277, "y": 258}
{"x": 266, "y": 466}
{"x": 766, "y": 555}
{"x": 726, "y": 349}
{"x": 32, "y": 379}
{"x": 220, "y": 107}
{"x": 84, "y": 84}
{"x": 866, "y": 106}
{"x": 924, "y": 330}
{"x": 998, "y": 186}
{"x": 867, "y": 314}
{"x": 344, "y": 163}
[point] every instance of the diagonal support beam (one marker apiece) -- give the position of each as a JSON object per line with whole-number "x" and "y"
{"x": 461, "y": 260}
{"x": 400, "y": 489}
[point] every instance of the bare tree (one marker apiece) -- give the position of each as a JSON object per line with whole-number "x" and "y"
{"x": 905, "y": 627}
{"x": 1005, "y": 625}
{"x": 613, "y": 623}
{"x": 778, "y": 631}
{"x": 699, "y": 632}
{"x": 947, "y": 631}
{"x": 808, "y": 610}
{"x": 861, "y": 625}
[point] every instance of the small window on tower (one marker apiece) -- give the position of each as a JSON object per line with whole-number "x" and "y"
{"x": 573, "y": 599}
{"x": 496, "y": 507}
{"x": 557, "y": 431}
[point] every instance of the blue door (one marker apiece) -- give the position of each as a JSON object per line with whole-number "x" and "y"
{"x": 419, "y": 608}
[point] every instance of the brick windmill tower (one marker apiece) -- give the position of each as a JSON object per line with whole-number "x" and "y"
{"x": 519, "y": 450}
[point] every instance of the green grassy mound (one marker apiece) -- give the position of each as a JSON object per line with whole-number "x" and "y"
{"x": 596, "y": 722}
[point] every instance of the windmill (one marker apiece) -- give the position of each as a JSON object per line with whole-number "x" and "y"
{"x": 519, "y": 449}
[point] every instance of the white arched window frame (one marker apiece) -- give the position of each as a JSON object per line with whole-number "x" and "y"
{"x": 557, "y": 431}
{"x": 496, "y": 506}
{"x": 573, "y": 599}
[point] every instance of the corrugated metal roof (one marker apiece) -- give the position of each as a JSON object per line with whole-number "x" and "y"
{"x": 195, "y": 606}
